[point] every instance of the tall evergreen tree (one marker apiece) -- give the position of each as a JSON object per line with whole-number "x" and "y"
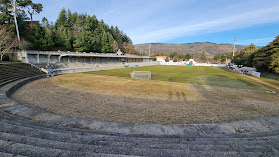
{"x": 62, "y": 19}
{"x": 39, "y": 38}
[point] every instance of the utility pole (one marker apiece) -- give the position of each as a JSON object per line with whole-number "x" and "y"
{"x": 235, "y": 39}
{"x": 17, "y": 31}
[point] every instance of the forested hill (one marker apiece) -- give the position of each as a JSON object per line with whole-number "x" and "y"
{"x": 77, "y": 32}
{"x": 211, "y": 49}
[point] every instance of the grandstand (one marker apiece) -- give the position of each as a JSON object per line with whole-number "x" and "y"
{"x": 28, "y": 132}
{"x": 59, "y": 62}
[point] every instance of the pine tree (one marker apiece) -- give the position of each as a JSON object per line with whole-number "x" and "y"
{"x": 39, "y": 39}
{"x": 62, "y": 19}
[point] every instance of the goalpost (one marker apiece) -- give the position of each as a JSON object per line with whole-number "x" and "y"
{"x": 143, "y": 75}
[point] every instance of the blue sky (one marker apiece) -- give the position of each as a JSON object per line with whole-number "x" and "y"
{"x": 180, "y": 21}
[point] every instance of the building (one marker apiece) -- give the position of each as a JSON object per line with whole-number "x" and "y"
{"x": 161, "y": 58}
{"x": 34, "y": 22}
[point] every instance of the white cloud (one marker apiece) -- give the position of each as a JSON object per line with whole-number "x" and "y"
{"x": 240, "y": 20}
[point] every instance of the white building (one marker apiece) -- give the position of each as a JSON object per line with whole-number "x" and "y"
{"x": 161, "y": 58}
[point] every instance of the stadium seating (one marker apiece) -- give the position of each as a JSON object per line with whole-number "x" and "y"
{"x": 15, "y": 71}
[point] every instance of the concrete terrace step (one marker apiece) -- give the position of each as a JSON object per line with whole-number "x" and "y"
{"x": 29, "y": 150}
{"x": 2, "y": 154}
{"x": 180, "y": 139}
{"x": 63, "y": 135}
{"x": 16, "y": 71}
{"x": 15, "y": 120}
{"x": 212, "y": 146}
{"x": 9, "y": 147}
{"x": 65, "y": 138}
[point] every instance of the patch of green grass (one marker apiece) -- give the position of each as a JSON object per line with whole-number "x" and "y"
{"x": 10, "y": 62}
{"x": 213, "y": 76}
{"x": 270, "y": 76}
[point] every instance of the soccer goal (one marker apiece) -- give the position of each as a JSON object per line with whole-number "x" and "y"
{"x": 143, "y": 75}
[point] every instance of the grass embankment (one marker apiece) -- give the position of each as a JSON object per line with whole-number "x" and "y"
{"x": 204, "y": 95}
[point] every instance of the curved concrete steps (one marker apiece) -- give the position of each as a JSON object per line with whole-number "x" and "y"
{"x": 11, "y": 72}
{"x": 20, "y": 136}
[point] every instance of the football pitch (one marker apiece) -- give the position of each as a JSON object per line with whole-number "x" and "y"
{"x": 174, "y": 95}
{"x": 212, "y": 76}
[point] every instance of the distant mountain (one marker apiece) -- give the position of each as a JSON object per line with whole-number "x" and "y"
{"x": 211, "y": 49}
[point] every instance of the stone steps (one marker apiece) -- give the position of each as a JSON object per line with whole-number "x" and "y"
{"x": 63, "y": 135}
{"x": 16, "y": 71}
{"x": 65, "y": 144}
{"x": 35, "y": 125}
{"x": 24, "y": 135}
{"x": 2, "y": 154}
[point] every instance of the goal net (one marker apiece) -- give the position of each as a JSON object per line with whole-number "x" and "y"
{"x": 143, "y": 75}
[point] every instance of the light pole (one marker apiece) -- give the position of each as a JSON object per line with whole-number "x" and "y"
{"x": 149, "y": 49}
{"x": 235, "y": 39}
{"x": 17, "y": 31}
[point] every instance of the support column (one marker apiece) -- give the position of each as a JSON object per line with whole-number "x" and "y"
{"x": 59, "y": 58}
{"x": 38, "y": 58}
{"x": 48, "y": 59}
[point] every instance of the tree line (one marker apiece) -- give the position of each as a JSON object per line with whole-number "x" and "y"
{"x": 265, "y": 59}
{"x": 78, "y": 32}
{"x": 70, "y": 32}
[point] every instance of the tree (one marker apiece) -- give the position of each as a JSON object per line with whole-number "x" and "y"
{"x": 167, "y": 59}
{"x": 62, "y": 19}
{"x": 5, "y": 9}
{"x": 117, "y": 36}
{"x": 244, "y": 57}
{"x": 217, "y": 57}
{"x": 127, "y": 48}
{"x": 115, "y": 46}
{"x": 223, "y": 58}
{"x": 8, "y": 41}
{"x": 188, "y": 56}
{"x": 39, "y": 38}
{"x": 181, "y": 56}
{"x": 45, "y": 22}
{"x": 106, "y": 45}
{"x": 33, "y": 8}
{"x": 172, "y": 55}
{"x": 203, "y": 56}
{"x": 154, "y": 58}
{"x": 275, "y": 61}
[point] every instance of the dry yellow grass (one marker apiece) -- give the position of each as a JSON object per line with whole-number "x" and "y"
{"x": 137, "y": 101}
